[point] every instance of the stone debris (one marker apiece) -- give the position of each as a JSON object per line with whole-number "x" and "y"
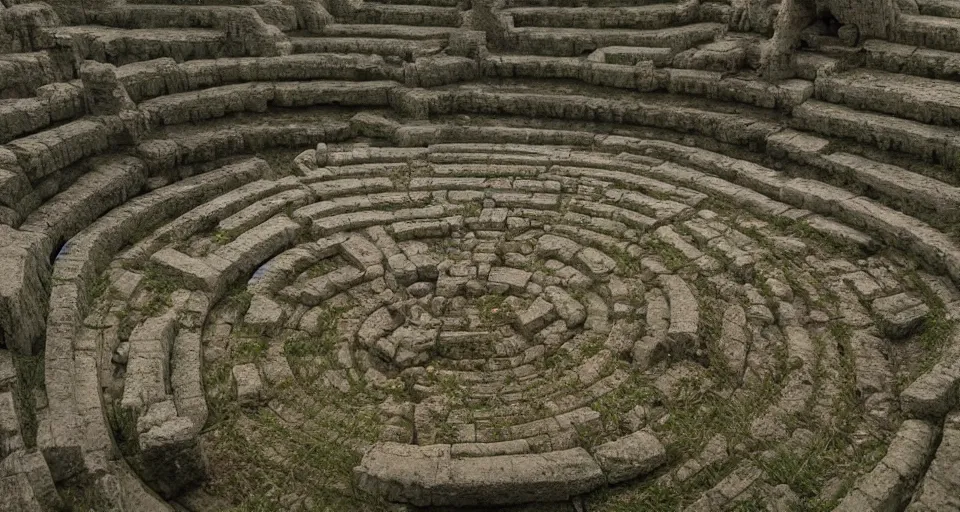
{"x": 900, "y": 314}
{"x": 440, "y": 263}
{"x": 247, "y": 384}
{"x": 630, "y": 456}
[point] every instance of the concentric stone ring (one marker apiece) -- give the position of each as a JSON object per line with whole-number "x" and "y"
{"x": 436, "y": 255}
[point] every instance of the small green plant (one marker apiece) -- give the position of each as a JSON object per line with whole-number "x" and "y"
{"x": 161, "y": 287}
{"x": 221, "y": 237}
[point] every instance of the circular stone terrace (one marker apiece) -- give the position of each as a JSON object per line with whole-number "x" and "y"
{"x": 431, "y": 255}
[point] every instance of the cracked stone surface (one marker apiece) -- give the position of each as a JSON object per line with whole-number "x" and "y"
{"x": 434, "y": 254}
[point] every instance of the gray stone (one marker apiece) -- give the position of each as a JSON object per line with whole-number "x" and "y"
{"x": 360, "y": 252}
{"x": 568, "y": 308}
{"x": 516, "y": 279}
{"x": 247, "y": 384}
{"x": 940, "y": 488}
{"x": 684, "y": 310}
{"x": 630, "y": 456}
{"x": 597, "y": 264}
{"x": 427, "y": 475}
{"x": 901, "y": 315}
{"x": 536, "y": 317}
{"x": 264, "y": 314}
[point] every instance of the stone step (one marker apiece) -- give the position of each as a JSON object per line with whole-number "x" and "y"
{"x": 373, "y": 155}
{"x": 120, "y": 46}
{"x": 243, "y": 135}
{"x": 414, "y": 15}
{"x": 935, "y": 144}
{"x": 387, "y": 31}
{"x": 159, "y": 77}
{"x": 434, "y": 3}
{"x": 684, "y": 312}
{"x": 22, "y": 73}
{"x": 217, "y": 270}
{"x": 613, "y": 106}
{"x": 633, "y": 55}
{"x": 941, "y": 8}
{"x": 199, "y": 2}
{"x": 44, "y": 153}
{"x": 941, "y": 484}
{"x": 570, "y": 42}
{"x": 511, "y": 4}
{"x": 346, "y": 222}
{"x": 176, "y": 16}
{"x": 53, "y": 103}
{"x": 506, "y": 479}
{"x": 921, "y": 99}
{"x": 407, "y": 49}
{"x": 110, "y": 182}
{"x": 257, "y": 96}
{"x": 939, "y": 199}
{"x": 901, "y": 58}
{"x": 929, "y": 31}
{"x": 262, "y": 210}
{"x": 148, "y": 366}
{"x": 891, "y": 483}
{"x": 65, "y": 433}
{"x": 203, "y": 217}
{"x": 642, "y": 18}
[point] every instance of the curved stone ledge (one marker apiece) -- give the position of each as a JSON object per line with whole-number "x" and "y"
{"x": 429, "y": 476}
{"x": 513, "y": 304}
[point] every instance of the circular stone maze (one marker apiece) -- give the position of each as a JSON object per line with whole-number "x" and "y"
{"x": 455, "y": 255}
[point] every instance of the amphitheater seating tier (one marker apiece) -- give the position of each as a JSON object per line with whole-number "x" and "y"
{"x": 430, "y": 254}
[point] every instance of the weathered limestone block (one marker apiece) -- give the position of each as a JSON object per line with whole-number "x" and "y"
{"x": 21, "y": 27}
{"x": 23, "y": 290}
{"x": 312, "y": 15}
{"x": 900, "y": 314}
{"x": 248, "y": 251}
{"x": 29, "y": 466}
{"x": 110, "y": 182}
{"x": 540, "y": 314}
{"x": 872, "y": 19}
{"x": 103, "y": 92}
{"x": 360, "y": 252}
{"x": 247, "y": 34}
{"x": 264, "y": 315}
{"x": 247, "y": 384}
{"x": 684, "y": 310}
{"x": 186, "y": 379}
{"x": 148, "y": 366}
{"x": 11, "y": 439}
{"x": 889, "y": 485}
{"x": 440, "y": 70}
{"x": 936, "y": 392}
{"x": 630, "y": 456}
{"x": 514, "y": 278}
{"x": 372, "y": 125}
{"x": 427, "y": 475}
{"x": 468, "y": 43}
{"x": 44, "y": 153}
{"x": 191, "y": 272}
{"x": 568, "y": 309}
{"x": 940, "y": 488}
{"x": 171, "y": 456}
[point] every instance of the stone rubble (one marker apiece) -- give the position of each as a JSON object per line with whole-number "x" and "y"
{"x": 501, "y": 252}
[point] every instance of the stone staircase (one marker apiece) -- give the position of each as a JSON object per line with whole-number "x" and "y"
{"x": 522, "y": 267}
